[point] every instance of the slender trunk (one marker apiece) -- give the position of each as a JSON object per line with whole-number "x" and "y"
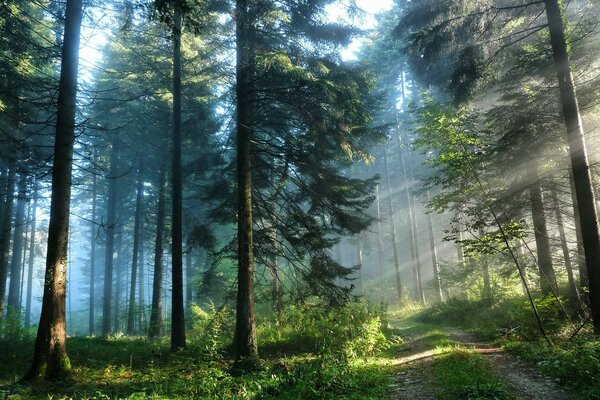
{"x": 154, "y": 330}
{"x": 24, "y": 258}
{"x": 246, "y": 347}
{"x": 276, "y": 294}
{"x": 136, "y": 245}
{"x": 50, "y": 358}
{"x": 359, "y": 261}
{"x": 582, "y": 268}
{"x": 380, "y": 255}
{"x": 573, "y": 293}
{"x": 29, "y": 289}
{"x": 92, "y": 300}
{"x": 412, "y": 230}
{"x": 110, "y": 240}
{"x": 487, "y": 282}
{"x": 544, "y": 255}
{"x": 392, "y": 227}
{"x": 118, "y": 275}
{"x": 437, "y": 281}
{"x": 578, "y": 156}
{"x": 189, "y": 282}
{"x": 5, "y": 235}
{"x": 13, "y": 304}
{"x": 142, "y": 282}
{"x": 177, "y": 307}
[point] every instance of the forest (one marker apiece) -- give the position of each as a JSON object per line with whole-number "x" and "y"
{"x": 300, "y": 199}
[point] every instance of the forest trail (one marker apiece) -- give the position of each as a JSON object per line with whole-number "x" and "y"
{"x": 415, "y": 377}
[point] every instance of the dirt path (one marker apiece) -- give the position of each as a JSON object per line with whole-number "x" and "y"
{"x": 414, "y": 379}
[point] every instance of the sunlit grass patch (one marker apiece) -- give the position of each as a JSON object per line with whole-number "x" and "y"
{"x": 465, "y": 375}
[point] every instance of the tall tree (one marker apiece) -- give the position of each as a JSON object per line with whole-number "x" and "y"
{"x": 110, "y": 239}
{"x": 16, "y": 264}
{"x": 50, "y": 360}
{"x": 155, "y": 327}
{"x": 177, "y": 306}
{"x": 136, "y": 250}
{"x": 245, "y": 323}
{"x": 5, "y": 233}
{"x": 29, "y": 290}
{"x": 580, "y": 165}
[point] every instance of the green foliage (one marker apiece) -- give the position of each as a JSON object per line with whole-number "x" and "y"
{"x": 211, "y": 330}
{"x": 353, "y": 330}
{"x": 466, "y": 375}
{"x": 333, "y": 350}
{"x": 575, "y": 364}
{"x": 511, "y": 317}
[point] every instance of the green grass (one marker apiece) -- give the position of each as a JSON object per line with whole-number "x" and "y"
{"x": 459, "y": 373}
{"x": 465, "y": 375}
{"x": 575, "y": 364}
{"x": 296, "y": 365}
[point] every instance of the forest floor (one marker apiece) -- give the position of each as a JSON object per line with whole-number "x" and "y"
{"x": 447, "y": 363}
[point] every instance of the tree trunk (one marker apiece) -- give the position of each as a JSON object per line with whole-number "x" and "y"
{"x": 5, "y": 235}
{"x": 177, "y": 308}
{"x": 118, "y": 275}
{"x": 437, "y": 281}
{"x": 142, "y": 282}
{"x": 110, "y": 240}
{"x": 392, "y": 227}
{"x": 578, "y": 156}
{"x": 412, "y": 230}
{"x": 136, "y": 245}
{"x": 276, "y": 293}
{"x": 155, "y": 327}
{"x": 573, "y": 293}
{"x": 50, "y": 358}
{"x": 24, "y": 258}
{"x": 380, "y": 252}
{"x": 246, "y": 348}
{"x": 91, "y": 322}
{"x": 582, "y": 268}
{"x": 544, "y": 255}
{"x": 189, "y": 282}
{"x": 29, "y": 289}
{"x": 16, "y": 263}
{"x": 359, "y": 262}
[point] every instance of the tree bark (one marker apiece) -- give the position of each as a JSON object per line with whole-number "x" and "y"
{"x": 136, "y": 246}
{"x": 380, "y": 255}
{"x": 412, "y": 230}
{"x": 5, "y": 235}
{"x": 437, "y": 281}
{"x": 573, "y": 292}
{"x": 142, "y": 281}
{"x": 92, "y": 283}
{"x": 578, "y": 156}
{"x": 110, "y": 240}
{"x": 189, "y": 281}
{"x": 392, "y": 227}
{"x": 276, "y": 293}
{"x": 50, "y": 358}
{"x": 582, "y": 268}
{"x": 246, "y": 347}
{"x": 154, "y": 330}
{"x": 177, "y": 307}
{"x": 16, "y": 263}
{"x": 544, "y": 255}
{"x": 359, "y": 262}
{"x": 29, "y": 289}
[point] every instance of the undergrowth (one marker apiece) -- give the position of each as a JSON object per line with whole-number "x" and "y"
{"x": 309, "y": 352}
{"x": 574, "y": 362}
